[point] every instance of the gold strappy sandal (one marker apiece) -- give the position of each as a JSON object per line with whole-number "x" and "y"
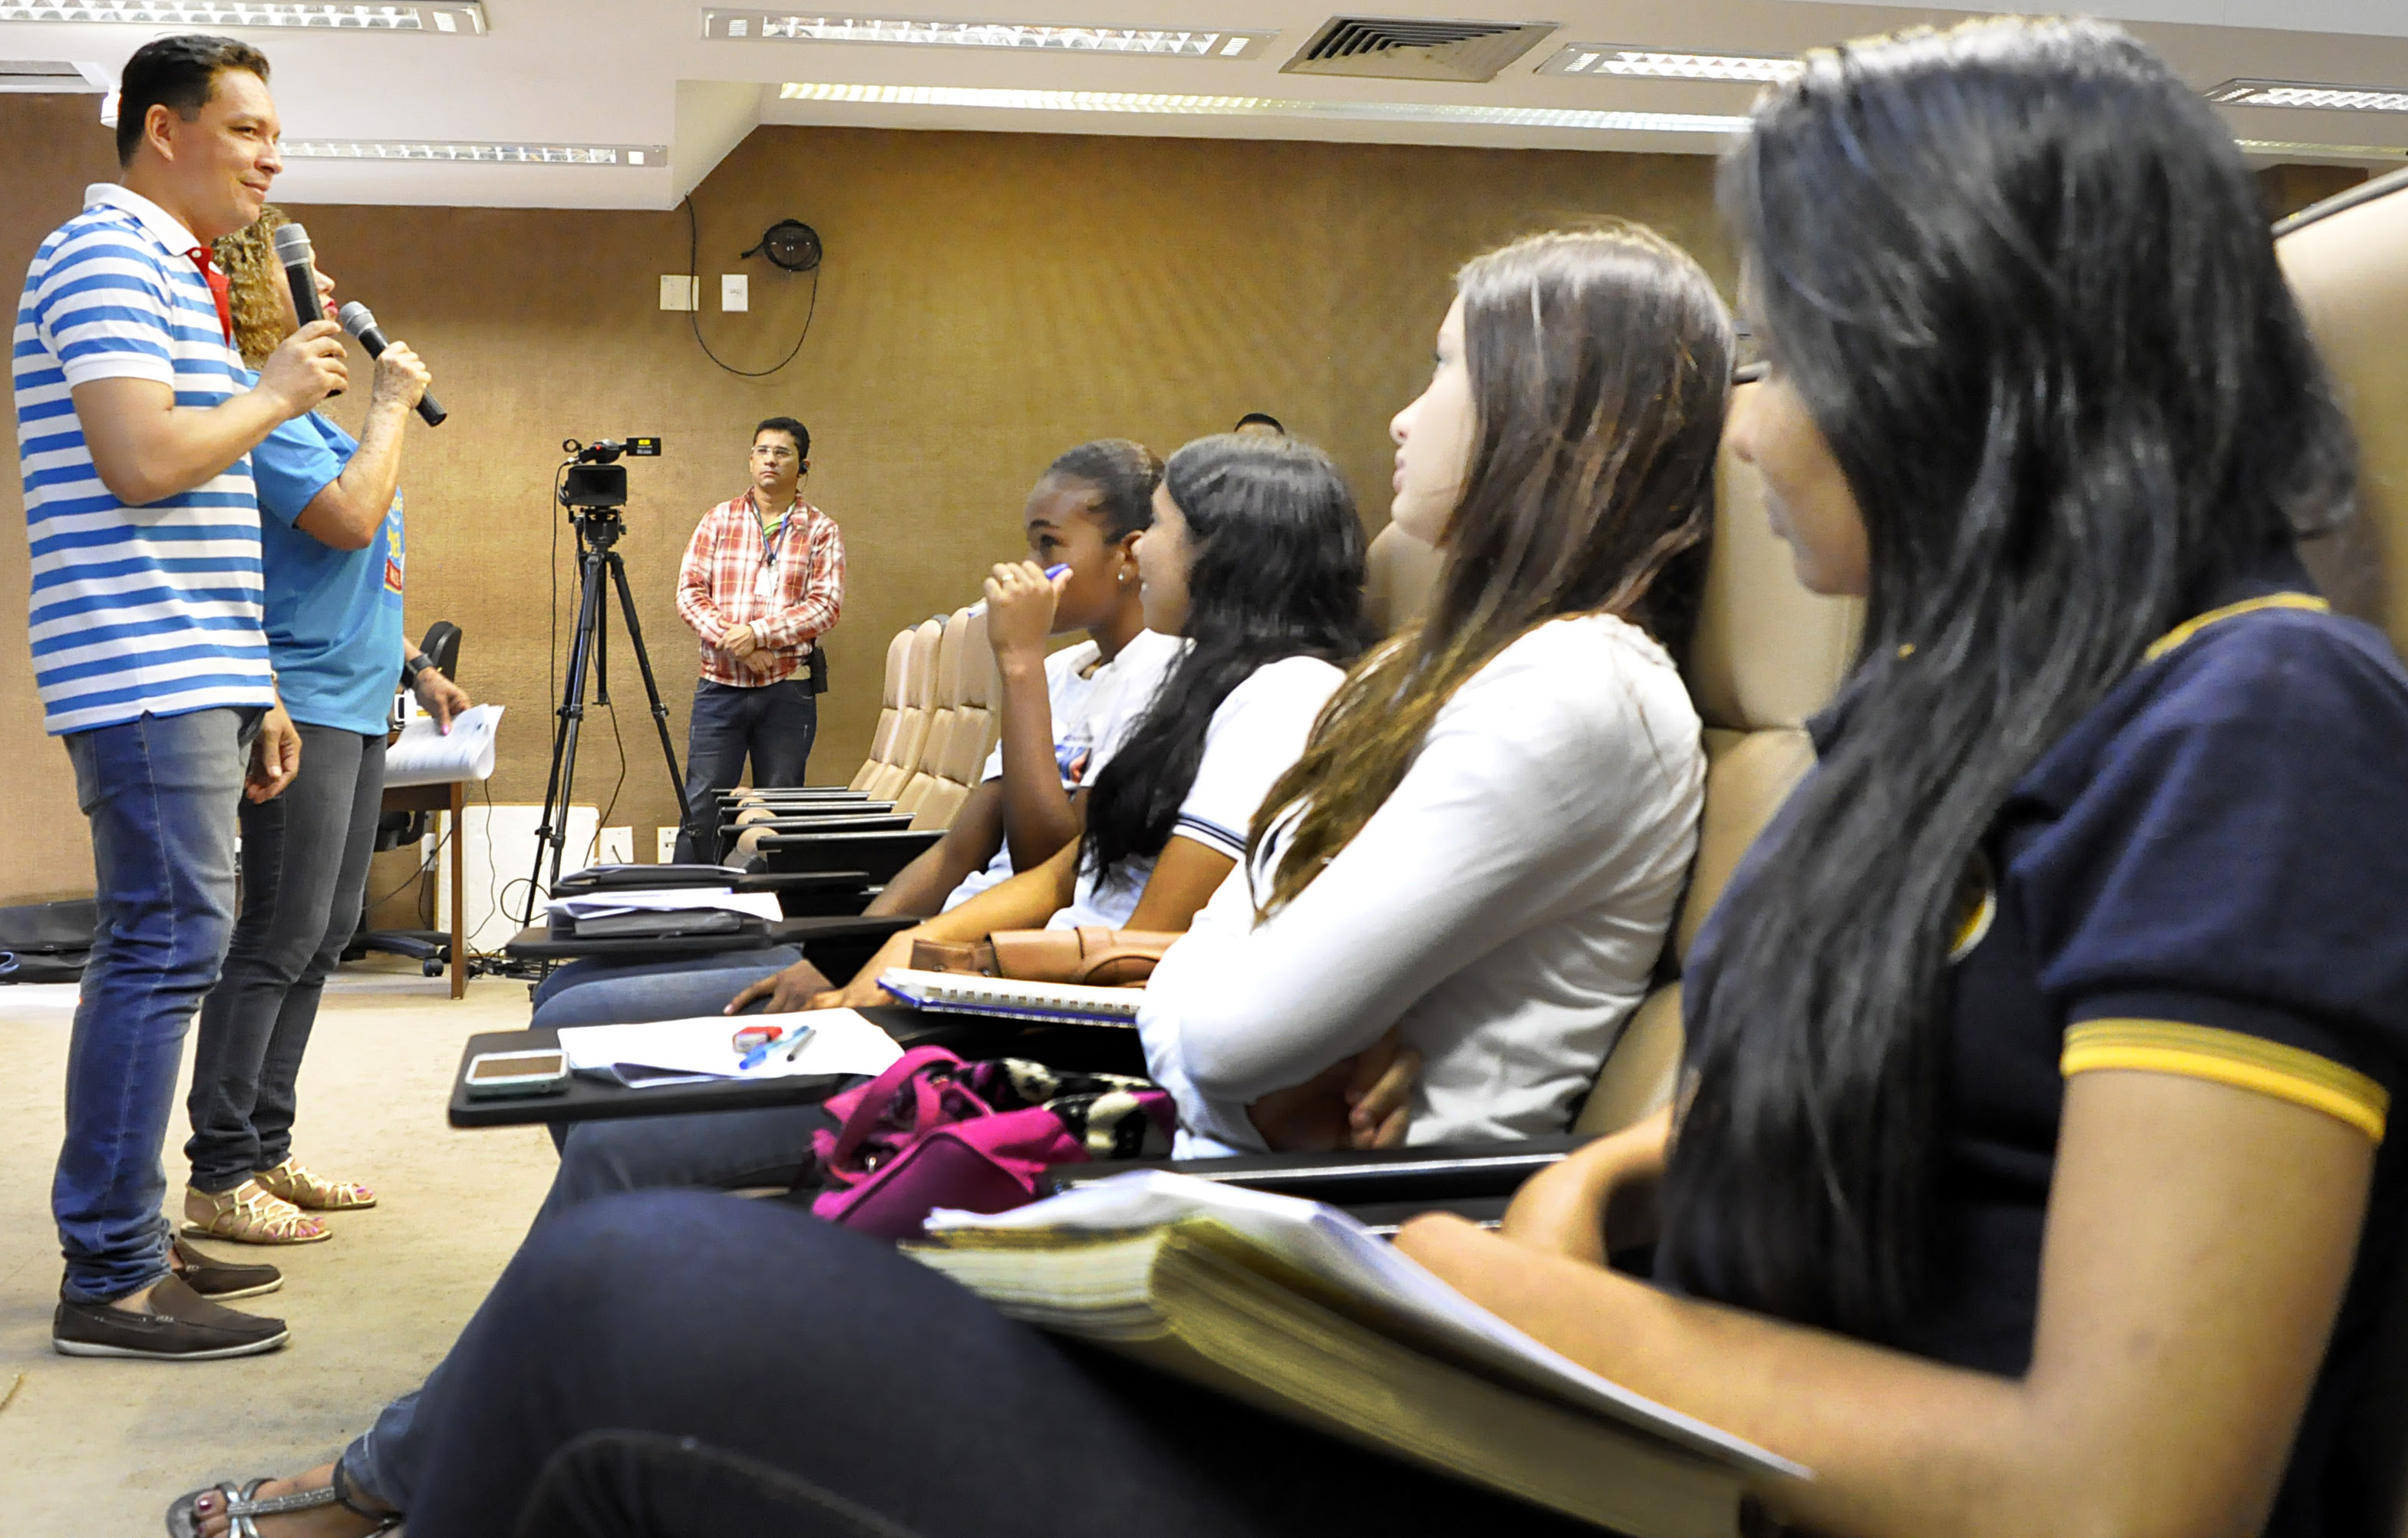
{"x": 293, "y": 1181}
{"x": 249, "y": 1215}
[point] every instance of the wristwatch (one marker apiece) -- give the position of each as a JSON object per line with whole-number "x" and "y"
{"x": 411, "y": 668}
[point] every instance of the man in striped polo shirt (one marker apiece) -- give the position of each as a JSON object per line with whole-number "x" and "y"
{"x": 132, "y": 435}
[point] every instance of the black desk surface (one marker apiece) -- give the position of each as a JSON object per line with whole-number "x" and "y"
{"x": 537, "y": 944}
{"x": 1109, "y": 1047}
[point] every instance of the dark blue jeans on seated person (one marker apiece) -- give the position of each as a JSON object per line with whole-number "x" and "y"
{"x": 631, "y": 990}
{"x": 773, "y": 725}
{"x": 160, "y": 792}
{"x": 304, "y": 868}
{"x": 674, "y": 1365}
{"x": 727, "y": 1150}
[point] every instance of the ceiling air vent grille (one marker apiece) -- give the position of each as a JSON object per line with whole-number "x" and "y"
{"x": 48, "y": 75}
{"x": 1407, "y": 49}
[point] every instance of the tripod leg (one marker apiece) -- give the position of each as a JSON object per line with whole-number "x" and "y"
{"x": 559, "y": 788}
{"x": 652, "y": 687}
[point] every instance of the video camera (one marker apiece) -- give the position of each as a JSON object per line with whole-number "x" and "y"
{"x": 593, "y": 477}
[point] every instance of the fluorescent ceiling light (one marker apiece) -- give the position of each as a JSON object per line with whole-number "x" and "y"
{"x": 733, "y": 25}
{"x": 432, "y": 151}
{"x": 2343, "y": 98}
{"x": 1262, "y": 106}
{"x": 454, "y": 18}
{"x": 1662, "y": 64}
{"x": 2327, "y": 151}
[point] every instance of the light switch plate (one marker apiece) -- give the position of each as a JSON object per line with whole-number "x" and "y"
{"x": 735, "y": 291}
{"x": 678, "y": 292}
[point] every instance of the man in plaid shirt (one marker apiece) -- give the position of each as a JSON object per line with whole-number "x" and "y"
{"x": 762, "y": 580}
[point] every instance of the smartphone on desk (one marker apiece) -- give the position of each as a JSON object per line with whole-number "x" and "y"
{"x": 507, "y": 1075}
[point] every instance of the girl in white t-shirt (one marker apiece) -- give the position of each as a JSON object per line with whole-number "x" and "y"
{"x": 1255, "y": 560}
{"x": 1476, "y": 860}
{"x": 1085, "y": 513}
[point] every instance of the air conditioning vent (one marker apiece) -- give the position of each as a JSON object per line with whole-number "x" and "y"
{"x": 1395, "y": 47}
{"x": 50, "y": 75}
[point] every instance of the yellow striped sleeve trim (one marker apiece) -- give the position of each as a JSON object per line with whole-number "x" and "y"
{"x": 2193, "y": 625}
{"x": 2230, "y": 1058}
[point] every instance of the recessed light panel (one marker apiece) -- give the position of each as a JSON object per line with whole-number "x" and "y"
{"x": 1665, "y": 65}
{"x": 437, "y": 151}
{"x": 729, "y": 25}
{"x": 1162, "y": 104}
{"x": 2326, "y": 151}
{"x": 2338, "y": 98}
{"x": 458, "y": 18}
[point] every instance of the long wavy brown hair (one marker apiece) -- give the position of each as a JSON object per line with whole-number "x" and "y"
{"x": 1601, "y": 365}
{"x": 248, "y": 258}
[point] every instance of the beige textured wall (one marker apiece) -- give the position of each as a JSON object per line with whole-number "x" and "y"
{"x": 988, "y": 300}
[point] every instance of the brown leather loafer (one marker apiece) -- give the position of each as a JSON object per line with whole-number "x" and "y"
{"x": 182, "y": 1325}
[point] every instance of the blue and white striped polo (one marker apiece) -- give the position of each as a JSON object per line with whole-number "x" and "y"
{"x": 151, "y": 610}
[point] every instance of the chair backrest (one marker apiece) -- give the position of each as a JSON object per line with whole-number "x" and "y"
{"x": 2344, "y": 259}
{"x": 1402, "y": 579}
{"x": 1767, "y": 655}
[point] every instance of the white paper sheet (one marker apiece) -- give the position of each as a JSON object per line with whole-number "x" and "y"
{"x": 665, "y": 899}
{"x": 424, "y": 757}
{"x": 840, "y": 1041}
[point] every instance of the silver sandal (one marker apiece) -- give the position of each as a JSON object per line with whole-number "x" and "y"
{"x": 243, "y": 1506}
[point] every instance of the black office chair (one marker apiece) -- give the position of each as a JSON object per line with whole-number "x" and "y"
{"x": 430, "y": 948}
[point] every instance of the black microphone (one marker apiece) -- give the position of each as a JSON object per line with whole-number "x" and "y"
{"x": 300, "y": 270}
{"x": 362, "y": 323}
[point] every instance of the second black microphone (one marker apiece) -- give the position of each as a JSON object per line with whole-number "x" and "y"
{"x": 362, "y": 323}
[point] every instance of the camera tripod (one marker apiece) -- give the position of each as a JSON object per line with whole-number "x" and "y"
{"x": 597, "y": 532}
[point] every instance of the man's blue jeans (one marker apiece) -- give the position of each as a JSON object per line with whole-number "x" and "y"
{"x": 161, "y": 794}
{"x": 772, "y": 724}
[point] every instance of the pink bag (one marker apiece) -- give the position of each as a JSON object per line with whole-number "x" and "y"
{"x": 934, "y": 1131}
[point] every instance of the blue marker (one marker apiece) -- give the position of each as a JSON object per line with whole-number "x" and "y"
{"x": 1053, "y": 574}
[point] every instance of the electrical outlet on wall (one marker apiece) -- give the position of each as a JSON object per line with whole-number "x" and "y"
{"x": 666, "y": 853}
{"x": 616, "y": 846}
{"x": 735, "y": 291}
{"x": 680, "y": 290}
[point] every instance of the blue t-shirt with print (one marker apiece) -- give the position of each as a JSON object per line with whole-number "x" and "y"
{"x": 334, "y": 616}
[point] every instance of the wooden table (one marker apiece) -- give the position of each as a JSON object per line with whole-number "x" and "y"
{"x": 448, "y": 796}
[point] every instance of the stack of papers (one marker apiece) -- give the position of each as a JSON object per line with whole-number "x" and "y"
{"x": 694, "y": 1051}
{"x": 422, "y": 755}
{"x": 659, "y": 910}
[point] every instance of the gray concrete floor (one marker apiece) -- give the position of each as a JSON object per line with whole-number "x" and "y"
{"x": 92, "y": 1448}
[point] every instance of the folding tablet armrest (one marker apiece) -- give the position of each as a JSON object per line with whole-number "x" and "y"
{"x": 1355, "y": 1179}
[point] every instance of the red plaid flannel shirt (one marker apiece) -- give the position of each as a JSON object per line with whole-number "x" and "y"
{"x": 718, "y": 589}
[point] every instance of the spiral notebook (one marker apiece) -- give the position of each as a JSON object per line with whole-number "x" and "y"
{"x": 1056, "y": 1003}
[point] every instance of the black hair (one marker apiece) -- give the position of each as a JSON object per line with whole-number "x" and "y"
{"x": 1275, "y": 569}
{"x": 1264, "y": 417}
{"x": 180, "y": 73}
{"x": 788, "y": 425}
{"x": 2021, "y": 279}
{"x": 1123, "y": 474}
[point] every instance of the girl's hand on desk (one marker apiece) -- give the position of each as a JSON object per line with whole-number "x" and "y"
{"x": 787, "y": 991}
{"x": 864, "y": 991}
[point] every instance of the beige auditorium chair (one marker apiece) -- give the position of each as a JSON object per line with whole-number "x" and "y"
{"x": 2345, "y": 258}
{"x": 1767, "y": 655}
{"x": 950, "y": 766}
{"x": 914, "y": 712}
{"x": 890, "y": 711}
{"x": 945, "y": 714}
{"x": 1402, "y": 579}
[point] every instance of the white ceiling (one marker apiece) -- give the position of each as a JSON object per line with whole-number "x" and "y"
{"x": 638, "y": 72}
